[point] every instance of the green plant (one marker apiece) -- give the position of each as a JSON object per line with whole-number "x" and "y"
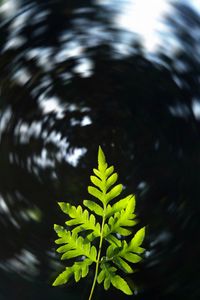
{"x": 115, "y": 222}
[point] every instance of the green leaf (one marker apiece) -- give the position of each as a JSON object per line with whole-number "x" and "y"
{"x": 94, "y": 207}
{"x": 112, "y": 239}
{"x": 109, "y": 171}
{"x": 63, "y": 277}
{"x": 111, "y": 180}
{"x": 106, "y": 283}
{"x": 98, "y": 173}
{"x": 77, "y": 275}
{"x": 138, "y": 238}
{"x": 122, "y": 264}
{"x": 116, "y": 191}
{"x": 121, "y": 284}
{"x": 95, "y": 192}
{"x": 133, "y": 258}
{"x": 96, "y": 181}
{"x": 101, "y": 277}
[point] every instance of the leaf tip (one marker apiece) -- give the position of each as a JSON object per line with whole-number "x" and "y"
{"x": 55, "y": 226}
{"x": 58, "y": 281}
{"x": 143, "y": 230}
{"x": 54, "y": 283}
{"x": 62, "y": 205}
{"x": 101, "y": 156}
{"x": 100, "y": 149}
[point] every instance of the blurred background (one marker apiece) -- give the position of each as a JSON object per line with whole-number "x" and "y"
{"x": 123, "y": 74}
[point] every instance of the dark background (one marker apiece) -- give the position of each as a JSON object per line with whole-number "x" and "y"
{"x": 144, "y": 110}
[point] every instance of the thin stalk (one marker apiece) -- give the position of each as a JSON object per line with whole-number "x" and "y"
{"x": 100, "y": 242}
{"x": 98, "y": 261}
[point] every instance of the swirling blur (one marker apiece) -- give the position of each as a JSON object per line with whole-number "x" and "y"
{"x": 122, "y": 74}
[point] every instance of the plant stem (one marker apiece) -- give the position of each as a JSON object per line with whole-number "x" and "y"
{"x": 104, "y": 190}
{"x": 98, "y": 260}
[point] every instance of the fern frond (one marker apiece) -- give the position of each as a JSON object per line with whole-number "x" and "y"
{"x": 74, "y": 245}
{"x": 108, "y": 276}
{"x": 123, "y": 218}
{"x": 124, "y": 251}
{"x": 117, "y": 219}
{"x": 80, "y": 217}
{"x": 103, "y": 181}
{"x": 120, "y": 205}
{"x": 78, "y": 269}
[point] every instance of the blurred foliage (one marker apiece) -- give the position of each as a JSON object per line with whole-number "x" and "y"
{"x": 143, "y": 111}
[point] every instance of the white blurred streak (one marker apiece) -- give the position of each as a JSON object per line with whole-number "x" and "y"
{"x": 25, "y": 263}
{"x": 196, "y": 108}
{"x": 3, "y": 206}
{"x": 144, "y": 18}
{"x": 48, "y": 105}
{"x": 9, "y": 7}
{"x": 73, "y": 157}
